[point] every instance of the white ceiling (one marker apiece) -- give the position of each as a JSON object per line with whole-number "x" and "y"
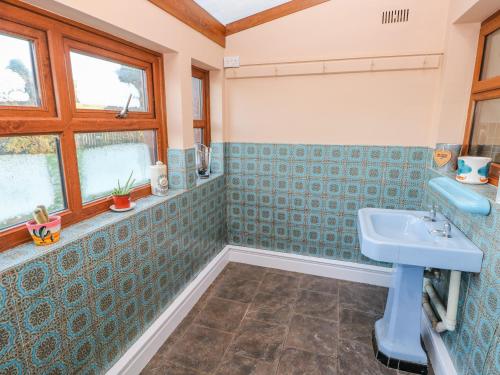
{"x": 227, "y": 11}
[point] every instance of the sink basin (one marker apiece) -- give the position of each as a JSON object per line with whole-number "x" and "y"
{"x": 401, "y": 236}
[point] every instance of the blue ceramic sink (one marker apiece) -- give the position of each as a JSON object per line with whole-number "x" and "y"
{"x": 401, "y": 236}
{"x": 410, "y": 243}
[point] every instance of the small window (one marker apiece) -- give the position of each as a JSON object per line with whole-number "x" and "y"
{"x": 201, "y": 106}
{"x": 30, "y": 175}
{"x": 105, "y": 158}
{"x": 18, "y": 81}
{"x": 198, "y": 135}
{"x": 485, "y": 139}
{"x": 101, "y": 84}
{"x": 197, "y": 98}
{"x": 491, "y": 60}
{"x": 482, "y": 132}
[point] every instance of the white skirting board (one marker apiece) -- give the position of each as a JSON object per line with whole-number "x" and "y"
{"x": 141, "y": 352}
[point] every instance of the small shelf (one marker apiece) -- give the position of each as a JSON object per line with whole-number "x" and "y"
{"x": 464, "y": 199}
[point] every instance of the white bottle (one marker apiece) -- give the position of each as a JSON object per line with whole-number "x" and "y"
{"x": 498, "y": 194}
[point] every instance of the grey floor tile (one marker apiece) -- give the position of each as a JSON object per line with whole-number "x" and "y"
{"x": 313, "y": 335}
{"x": 244, "y": 271}
{"x": 299, "y": 362}
{"x": 222, "y": 314}
{"x": 357, "y": 325}
{"x": 234, "y": 364}
{"x": 284, "y": 272}
{"x": 358, "y": 358}
{"x": 273, "y": 308}
{"x": 259, "y": 340}
{"x": 200, "y": 348}
{"x": 260, "y": 321}
{"x": 319, "y": 284}
{"x": 319, "y": 305}
{"x": 181, "y": 329}
{"x": 284, "y": 285}
{"x": 362, "y": 297}
{"x": 237, "y": 289}
{"x": 169, "y": 368}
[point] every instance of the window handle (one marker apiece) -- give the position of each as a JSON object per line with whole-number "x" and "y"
{"x": 124, "y": 112}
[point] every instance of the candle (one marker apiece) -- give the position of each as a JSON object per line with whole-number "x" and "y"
{"x": 159, "y": 179}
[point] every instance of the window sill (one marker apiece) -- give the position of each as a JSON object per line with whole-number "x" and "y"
{"x": 487, "y": 190}
{"x": 29, "y": 251}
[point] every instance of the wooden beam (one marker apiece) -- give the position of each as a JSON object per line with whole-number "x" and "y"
{"x": 196, "y": 17}
{"x": 270, "y": 14}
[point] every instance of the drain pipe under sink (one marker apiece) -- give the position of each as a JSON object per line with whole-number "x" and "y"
{"x": 448, "y": 314}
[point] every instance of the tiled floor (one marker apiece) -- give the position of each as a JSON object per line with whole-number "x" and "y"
{"x": 261, "y": 321}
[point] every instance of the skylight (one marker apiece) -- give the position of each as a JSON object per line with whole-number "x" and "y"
{"x": 227, "y": 11}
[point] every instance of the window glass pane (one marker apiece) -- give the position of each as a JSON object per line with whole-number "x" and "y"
{"x": 485, "y": 139}
{"x": 197, "y": 99}
{"x": 30, "y": 175}
{"x": 18, "y": 84}
{"x": 491, "y": 57}
{"x": 104, "y": 84}
{"x": 105, "y": 158}
{"x": 198, "y": 135}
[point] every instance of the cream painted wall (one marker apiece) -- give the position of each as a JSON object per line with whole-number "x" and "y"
{"x": 141, "y": 22}
{"x": 384, "y": 108}
{"x": 452, "y": 100}
{"x": 343, "y": 29}
{"x": 391, "y": 108}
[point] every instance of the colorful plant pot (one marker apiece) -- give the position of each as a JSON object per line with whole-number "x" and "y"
{"x": 45, "y": 234}
{"x": 473, "y": 169}
{"x": 121, "y": 201}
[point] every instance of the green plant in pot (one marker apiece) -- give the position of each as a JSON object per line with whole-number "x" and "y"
{"x": 121, "y": 194}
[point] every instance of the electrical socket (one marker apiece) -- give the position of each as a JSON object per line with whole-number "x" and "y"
{"x": 231, "y": 62}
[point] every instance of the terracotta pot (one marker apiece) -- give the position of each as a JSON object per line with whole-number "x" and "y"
{"x": 45, "y": 234}
{"x": 121, "y": 201}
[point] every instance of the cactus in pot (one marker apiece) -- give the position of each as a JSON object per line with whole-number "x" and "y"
{"x": 121, "y": 194}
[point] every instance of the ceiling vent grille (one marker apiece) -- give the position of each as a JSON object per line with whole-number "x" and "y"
{"x": 395, "y": 16}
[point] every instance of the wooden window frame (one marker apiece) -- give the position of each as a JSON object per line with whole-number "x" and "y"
{"x": 204, "y": 124}
{"x": 104, "y": 53}
{"x": 53, "y": 36}
{"x": 483, "y": 90}
{"x": 47, "y": 107}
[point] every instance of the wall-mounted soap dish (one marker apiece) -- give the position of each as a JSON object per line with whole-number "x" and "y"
{"x": 460, "y": 196}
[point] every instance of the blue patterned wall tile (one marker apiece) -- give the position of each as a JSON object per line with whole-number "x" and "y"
{"x": 81, "y": 306}
{"x": 331, "y": 181}
{"x": 470, "y": 346}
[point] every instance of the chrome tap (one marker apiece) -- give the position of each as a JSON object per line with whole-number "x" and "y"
{"x": 432, "y": 213}
{"x": 445, "y": 232}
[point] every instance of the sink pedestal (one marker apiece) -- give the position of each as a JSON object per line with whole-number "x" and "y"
{"x": 397, "y": 335}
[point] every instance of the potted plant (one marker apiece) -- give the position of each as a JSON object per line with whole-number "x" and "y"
{"x": 121, "y": 194}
